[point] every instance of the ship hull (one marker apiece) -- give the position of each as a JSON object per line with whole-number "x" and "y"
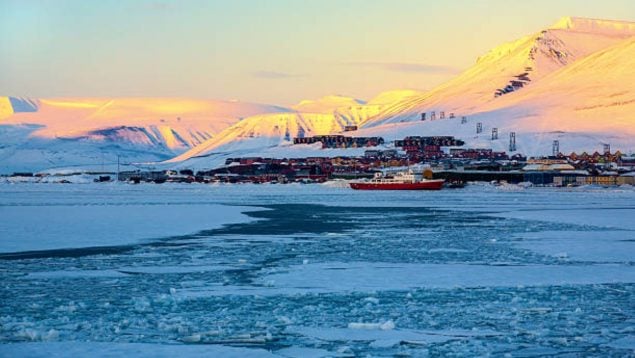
{"x": 423, "y": 185}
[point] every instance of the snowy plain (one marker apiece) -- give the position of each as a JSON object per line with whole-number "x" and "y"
{"x": 61, "y": 226}
{"x": 315, "y": 270}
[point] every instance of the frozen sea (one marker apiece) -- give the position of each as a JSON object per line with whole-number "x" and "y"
{"x": 315, "y": 271}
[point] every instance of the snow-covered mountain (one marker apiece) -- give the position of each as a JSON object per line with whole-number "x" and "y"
{"x": 327, "y": 115}
{"x": 595, "y": 94}
{"x": 513, "y": 67}
{"x": 272, "y": 134}
{"x": 43, "y": 133}
{"x": 579, "y": 91}
{"x": 572, "y": 82}
{"x": 583, "y": 106}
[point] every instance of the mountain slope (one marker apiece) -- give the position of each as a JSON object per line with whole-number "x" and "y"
{"x": 65, "y": 131}
{"x": 327, "y": 115}
{"x": 595, "y": 94}
{"x": 271, "y": 130}
{"x": 393, "y": 96}
{"x": 327, "y": 104}
{"x": 512, "y": 67}
{"x": 193, "y": 121}
{"x": 583, "y": 105}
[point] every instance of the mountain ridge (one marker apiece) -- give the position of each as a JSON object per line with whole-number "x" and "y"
{"x": 506, "y": 68}
{"x": 594, "y": 25}
{"x": 66, "y": 130}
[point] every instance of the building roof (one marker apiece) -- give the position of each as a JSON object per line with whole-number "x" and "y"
{"x": 548, "y": 167}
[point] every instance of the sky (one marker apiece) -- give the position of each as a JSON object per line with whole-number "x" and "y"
{"x": 276, "y": 51}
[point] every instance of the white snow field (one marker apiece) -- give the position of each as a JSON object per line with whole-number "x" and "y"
{"x": 315, "y": 271}
{"x": 107, "y": 216}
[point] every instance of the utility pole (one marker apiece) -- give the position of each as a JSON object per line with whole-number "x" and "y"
{"x": 555, "y": 149}
{"x": 512, "y": 141}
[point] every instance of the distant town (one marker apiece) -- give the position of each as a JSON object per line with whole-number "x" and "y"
{"x": 444, "y": 155}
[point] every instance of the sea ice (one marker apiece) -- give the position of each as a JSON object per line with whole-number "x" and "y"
{"x": 40, "y": 222}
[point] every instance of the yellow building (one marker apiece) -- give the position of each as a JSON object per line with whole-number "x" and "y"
{"x": 604, "y": 180}
{"x": 626, "y": 179}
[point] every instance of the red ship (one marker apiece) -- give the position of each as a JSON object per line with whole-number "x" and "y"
{"x": 398, "y": 181}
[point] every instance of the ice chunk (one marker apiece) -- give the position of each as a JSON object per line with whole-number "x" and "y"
{"x": 385, "y": 326}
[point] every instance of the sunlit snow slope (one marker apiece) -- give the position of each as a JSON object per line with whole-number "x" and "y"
{"x": 583, "y": 106}
{"x": 579, "y": 91}
{"x": 513, "y": 67}
{"x": 595, "y": 94}
{"x": 44, "y": 133}
{"x": 327, "y": 115}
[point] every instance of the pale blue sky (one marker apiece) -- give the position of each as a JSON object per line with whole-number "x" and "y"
{"x": 277, "y": 51}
